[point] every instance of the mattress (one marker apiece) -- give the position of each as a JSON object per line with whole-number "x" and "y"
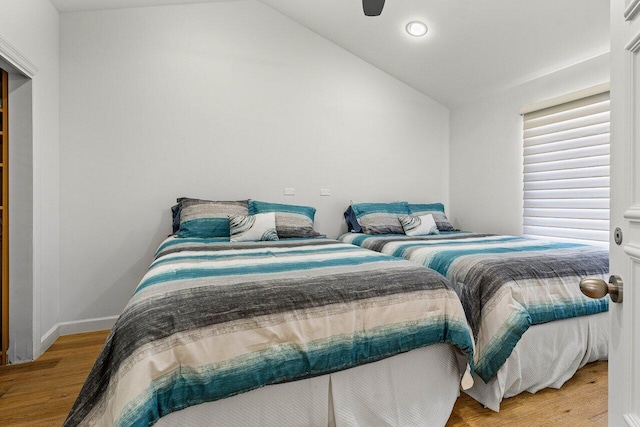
{"x": 506, "y": 283}
{"x": 211, "y": 320}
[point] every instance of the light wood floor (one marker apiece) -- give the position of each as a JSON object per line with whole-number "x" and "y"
{"x": 41, "y": 393}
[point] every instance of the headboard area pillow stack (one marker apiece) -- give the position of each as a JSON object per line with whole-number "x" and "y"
{"x": 244, "y": 220}
{"x": 385, "y": 218}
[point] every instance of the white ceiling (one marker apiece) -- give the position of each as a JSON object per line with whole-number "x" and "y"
{"x": 473, "y": 48}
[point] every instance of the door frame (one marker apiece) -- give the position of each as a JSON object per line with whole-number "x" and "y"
{"x": 24, "y": 65}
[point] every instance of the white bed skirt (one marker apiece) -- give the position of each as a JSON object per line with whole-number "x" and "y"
{"x": 548, "y": 355}
{"x": 418, "y": 388}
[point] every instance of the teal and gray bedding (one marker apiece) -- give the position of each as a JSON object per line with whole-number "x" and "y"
{"x": 505, "y": 283}
{"x": 212, "y": 319}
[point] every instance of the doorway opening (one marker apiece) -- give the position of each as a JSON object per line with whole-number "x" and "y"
{"x": 20, "y": 214}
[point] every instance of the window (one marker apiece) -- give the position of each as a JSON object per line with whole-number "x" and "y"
{"x": 566, "y": 168}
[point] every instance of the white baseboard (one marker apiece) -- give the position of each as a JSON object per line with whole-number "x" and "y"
{"x": 75, "y": 327}
{"x": 87, "y": 325}
{"x": 47, "y": 339}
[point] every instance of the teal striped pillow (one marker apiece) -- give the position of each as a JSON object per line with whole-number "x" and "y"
{"x": 435, "y": 209}
{"x": 206, "y": 219}
{"x": 380, "y": 218}
{"x": 291, "y": 220}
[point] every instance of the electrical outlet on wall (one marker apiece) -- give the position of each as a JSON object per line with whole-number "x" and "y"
{"x": 325, "y": 191}
{"x": 289, "y": 191}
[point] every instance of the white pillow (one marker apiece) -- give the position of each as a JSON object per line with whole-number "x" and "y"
{"x": 252, "y": 228}
{"x": 419, "y": 225}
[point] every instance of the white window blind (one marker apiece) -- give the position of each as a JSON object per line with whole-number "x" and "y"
{"x": 566, "y": 171}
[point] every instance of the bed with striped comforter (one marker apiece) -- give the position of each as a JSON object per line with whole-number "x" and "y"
{"x": 213, "y": 319}
{"x": 506, "y": 283}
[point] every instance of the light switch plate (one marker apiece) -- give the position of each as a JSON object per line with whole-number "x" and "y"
{"x": 289, "y": 191}
{"x": 325, "y": 191}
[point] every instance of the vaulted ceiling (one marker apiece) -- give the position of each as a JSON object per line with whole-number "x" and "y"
{"x": 473, "y": 47}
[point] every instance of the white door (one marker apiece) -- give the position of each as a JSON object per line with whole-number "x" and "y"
{"x": 624, "y": 345}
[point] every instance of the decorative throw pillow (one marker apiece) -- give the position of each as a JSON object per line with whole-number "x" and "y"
{"x": 252, "y": 228}
{"x": 419, "y": 225}
{"x": 206, "y": 218}
{"x": 291, "y": 220}
{"x": 380, "y": 218}
{"x": 435, "y": 209}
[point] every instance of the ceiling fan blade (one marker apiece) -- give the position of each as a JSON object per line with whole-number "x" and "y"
{"x": 372, "y": 7}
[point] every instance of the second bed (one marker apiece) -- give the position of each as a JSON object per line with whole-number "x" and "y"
{"x": 532, "y": 326}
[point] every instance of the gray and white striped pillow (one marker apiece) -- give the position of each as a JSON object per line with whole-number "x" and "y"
{"x": 291, "y": 220}
{"x": 435, "y": 209}
{"x": 380, "y": 218}
{"x": 207, "y": 218}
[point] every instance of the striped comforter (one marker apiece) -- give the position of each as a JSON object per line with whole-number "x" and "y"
{"x": 213, "y": 319}
{"x": 505, "y": 283}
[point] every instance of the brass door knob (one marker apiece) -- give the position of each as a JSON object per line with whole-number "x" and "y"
{"x": 595, "y": 287}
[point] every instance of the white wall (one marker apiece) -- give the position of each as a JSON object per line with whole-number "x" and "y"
{"x": 31, "y": 28}
{"x": 226, "y": 100}
{"x": 486, "y": 148}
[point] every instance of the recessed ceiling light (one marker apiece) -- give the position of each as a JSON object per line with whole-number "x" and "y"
{"x": 417, "y": 28}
